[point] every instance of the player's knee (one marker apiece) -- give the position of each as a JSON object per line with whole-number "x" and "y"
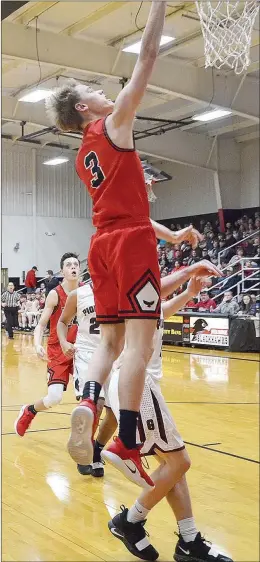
{"x": 54, "y": 396}
{"x": 180, "y": 459}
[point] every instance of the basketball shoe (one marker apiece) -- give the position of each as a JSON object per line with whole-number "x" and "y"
{"x": 23, "y": 422}
{"x": 95, "y": 469}
{"x": 198, "y": 550}
{"x": 133, "y": 535}
{"x": 128, "y": 461}
{"x": 84, "y": 422}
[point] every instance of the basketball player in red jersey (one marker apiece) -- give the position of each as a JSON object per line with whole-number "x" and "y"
{"x": 59, "y": 366}
{"x": 122, "y": 259}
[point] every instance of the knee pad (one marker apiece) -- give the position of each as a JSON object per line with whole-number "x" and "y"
{"x": 54, "y": 396}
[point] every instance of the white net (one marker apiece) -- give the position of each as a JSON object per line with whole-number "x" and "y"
{"x": 149, "y": 181}
{"x": 227, "y": 30}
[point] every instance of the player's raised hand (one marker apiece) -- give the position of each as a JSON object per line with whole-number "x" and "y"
{"x": 41, "y": 352}
{"x": 188, "y": 234}
{"x": 68, "y": 349}
{"x": 205, "y": 268}
{"x": 195, "y": 285}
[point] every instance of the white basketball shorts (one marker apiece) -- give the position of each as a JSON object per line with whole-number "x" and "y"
{"x": 156, "y": 427}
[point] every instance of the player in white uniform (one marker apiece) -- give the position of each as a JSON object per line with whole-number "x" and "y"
{"x": 160, "y": 436}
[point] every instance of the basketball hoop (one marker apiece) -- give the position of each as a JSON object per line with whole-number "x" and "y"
{"x": 227, "y": 30}
{"x": 149, "y": 181}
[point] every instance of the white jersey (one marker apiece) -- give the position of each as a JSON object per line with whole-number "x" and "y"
{"x": 88, "y": 335}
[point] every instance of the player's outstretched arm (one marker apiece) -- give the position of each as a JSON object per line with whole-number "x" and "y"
{"x": 202, "y": 269}
{"x": 175, "y": 304}
{"x": 188, "y": 234}
{"x": 51, "y": 302}
{"x": 131, "y": 96}
{"x": 68, "y": 313}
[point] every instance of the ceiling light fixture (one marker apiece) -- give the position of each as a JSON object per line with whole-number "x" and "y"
{"x": 135, "y": 47}
{"x": 212, "y": 115}
{"x": 56, "y": 161}
{"x": 36, "y": 95}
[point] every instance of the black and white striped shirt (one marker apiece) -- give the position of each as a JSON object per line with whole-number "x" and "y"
{"x": 11, "y": 299}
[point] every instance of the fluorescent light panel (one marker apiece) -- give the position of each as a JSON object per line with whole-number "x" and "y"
{"x": 212, "y": 115}
{"x": 36, "y": 95}
{"x": 135, "y": 47}
{"x": 56, "y": 161}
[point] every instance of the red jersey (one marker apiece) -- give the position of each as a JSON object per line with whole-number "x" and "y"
{"x": 114, "y": 178}
{"x": 72, "y": 331}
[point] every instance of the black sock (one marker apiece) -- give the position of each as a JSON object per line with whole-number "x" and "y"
{"x": 127, "y": 428}
{"x": 32, "y": 409}
{"x": 97, "y": 451}
{"x": 92, "y": 391}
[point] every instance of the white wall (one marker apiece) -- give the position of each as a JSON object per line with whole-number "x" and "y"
{"x": 250, "y": 174}
{"x": 37, "y": 199}
{"x": 229, "y": 168}
{"x": 190, "y": 192}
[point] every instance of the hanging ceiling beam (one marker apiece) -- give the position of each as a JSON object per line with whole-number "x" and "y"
{"x": 94, "y": 17}
{"x": 35, "y": 10}
{"x": 55, "y": 50}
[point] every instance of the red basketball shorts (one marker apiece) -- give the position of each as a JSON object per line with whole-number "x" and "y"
{"x": 59, "y": 367}
{"x": 123, "y": 265}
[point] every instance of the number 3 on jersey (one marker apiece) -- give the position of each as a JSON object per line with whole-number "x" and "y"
{"x": 91, "y": 161}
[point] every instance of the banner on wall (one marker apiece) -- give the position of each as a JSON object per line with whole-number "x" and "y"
{"x": 207, "y": 330}
{"x": 172, "y": 331}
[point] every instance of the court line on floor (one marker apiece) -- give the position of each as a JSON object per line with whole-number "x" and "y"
{"x": 20, "y": 405}
{"x": 37, "y": 430}
{"x": 222, "y": 452}
{"x": 44, "y": 412}
{"x": 205, "y": 355}
{"x": 210, "y": 444}
{"x": 224, "y": 403}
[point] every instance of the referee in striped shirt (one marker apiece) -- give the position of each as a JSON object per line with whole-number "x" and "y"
{"x": 10, "y": 303}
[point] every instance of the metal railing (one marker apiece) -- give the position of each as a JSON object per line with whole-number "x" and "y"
{"x": 239, "y": 243}
{"x": 240, "y": 285}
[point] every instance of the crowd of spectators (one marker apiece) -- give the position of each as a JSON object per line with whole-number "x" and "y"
{"x": 220, "y": 295}
{"x": 21, "y": 311}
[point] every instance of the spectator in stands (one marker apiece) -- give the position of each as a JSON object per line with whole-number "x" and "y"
{"x": 27, "y": 309}
{"x": 10, "y": 302}
{"x": 205, "y": 255}
{"x": 21, "y": 313}
{"x": 247, "y": 306}
{"x": 213, "y": 253}
{"x": 51, "y": 282}
{"x": 30, "y": 280}
{"x": 169, "y": 253}
{"x": 210, "y": 240}
{"x": 205, "y": 304}
{"x": 32, "y": 313}
{"x": 238, "y": 255}
{"x": 194, "y": 258}
{"x": 228, "y": 306}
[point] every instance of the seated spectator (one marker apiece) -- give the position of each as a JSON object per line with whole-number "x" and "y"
{"x": 228, "y": 306}
{"x": 21, "y": 311}
{"x": 247, "y": 306}
{"x": 42, "y": 302}
{"x": 169, "y": 253}
{"x": 213, "y": 253}
{"x": 205, "y": 255}
{"x": 210, "y": 240}
{"x": 32, "y": 312}
{"x": 227, "y": 281}
{"x": 194, "y": 258}
{"x": 205, "y": 304}
{"x": 30, "y": 280}
{"x": 186, "y": 250}
{"x": 230, "y": 240}
{"x": 238, "y": 255}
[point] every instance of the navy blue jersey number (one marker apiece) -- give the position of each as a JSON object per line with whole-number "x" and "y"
{"x": 91, "y": 161}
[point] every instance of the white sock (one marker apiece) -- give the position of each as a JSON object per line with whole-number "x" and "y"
{"x": 188, "y": 530}
{"x": 137, "y": 513}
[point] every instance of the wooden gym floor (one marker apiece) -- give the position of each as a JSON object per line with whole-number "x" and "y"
{"x": 51, "y": 513}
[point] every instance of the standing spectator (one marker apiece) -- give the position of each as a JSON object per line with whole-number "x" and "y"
{"x": 228, "y": 306}
{"x": 51, "y": 281}
{"x": 10, "y": 302}
{"x": 30, "y": 280}
{"x": 205, "y": 304}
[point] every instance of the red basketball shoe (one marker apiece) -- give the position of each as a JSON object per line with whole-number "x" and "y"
{"x": 84, "y": 422}
{"x": 128, "y": 461}
{"x": 23, "y": 421}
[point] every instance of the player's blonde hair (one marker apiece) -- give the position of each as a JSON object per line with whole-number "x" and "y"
{"x": 60, "y": 107}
